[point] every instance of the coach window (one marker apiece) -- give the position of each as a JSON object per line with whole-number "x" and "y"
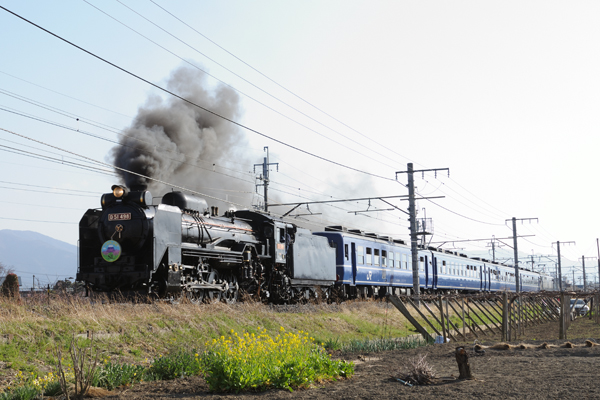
{"x": 384, "y": 258}
{"x": 346, "y": 251}
{"x": 391, "y": 258}
{"x": 421, "y": 263}
{"x": 360, "y": 255}
{"x": 369, "y": 256}
{"x": 375, "y": 256}
{"x": 281, "y": 235}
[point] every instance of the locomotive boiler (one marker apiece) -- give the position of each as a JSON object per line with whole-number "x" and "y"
{"x": 182, "y": 247}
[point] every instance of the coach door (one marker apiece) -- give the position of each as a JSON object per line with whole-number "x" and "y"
{"x": 353, "y": 252}
{"x": 482, "y": 278}
{"x": 427, "y": 273}
{"x": 435, "y": 271}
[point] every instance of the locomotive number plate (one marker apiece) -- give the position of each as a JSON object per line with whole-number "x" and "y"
{"x": 119, "y": 216}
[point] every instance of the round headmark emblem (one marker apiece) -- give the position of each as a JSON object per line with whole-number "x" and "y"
{"x": 111, "y": 250}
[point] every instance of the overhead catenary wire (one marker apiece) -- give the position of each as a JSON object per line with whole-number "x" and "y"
{"x": 459, "y": 214}
{"x": 245, "y": 94}
{"x": 197, "y": 105}
{"x": 294, "y": 94}
{"x": 280, "y": 85}
{"x": 117, "y": 143}
{"x": 66, "y": 95}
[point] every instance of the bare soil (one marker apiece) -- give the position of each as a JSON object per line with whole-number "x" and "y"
{"x": 532, "y": 373}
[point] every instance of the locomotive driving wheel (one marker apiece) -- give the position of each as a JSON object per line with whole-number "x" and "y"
{"x": 194, "y": 296}
{"x": 230, "y": 295}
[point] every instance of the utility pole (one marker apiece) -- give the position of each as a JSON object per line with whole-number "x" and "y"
{"x": 559, "y": 265}
{"x": 514, "y": 224}
{"x": 531, "y": 260}
{"x": 583, "y": 265}
{"x": 598, "y": 246}
{"x": 493, "y": 243}
{"x": 264, "y": 177}
{"x": 413, "y": 222}
{"x": 584, "y": 280}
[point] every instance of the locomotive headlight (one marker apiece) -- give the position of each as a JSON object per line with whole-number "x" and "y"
{"x": 119, "y": 191}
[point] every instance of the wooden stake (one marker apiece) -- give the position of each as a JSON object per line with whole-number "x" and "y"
{"x": 481, "y": 319}
{"x": 504, "y": 316}
{"x": 489, "y": 316}
{"x": 423, "y": 315}
{"x": 402, "y": 308}
{"x": 457, "y": 313}
{"x": 442, "y": 318}
{"x": 462, "y": 304}
{"x": 463, "y": 363}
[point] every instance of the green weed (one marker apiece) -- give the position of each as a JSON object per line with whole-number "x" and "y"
{"x": 378, "y": 345}
{"x": 112, "y": 375}
{"x": 259, "y": 362}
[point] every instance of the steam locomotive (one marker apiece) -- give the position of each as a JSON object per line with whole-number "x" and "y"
{"x": 181, "y": 247}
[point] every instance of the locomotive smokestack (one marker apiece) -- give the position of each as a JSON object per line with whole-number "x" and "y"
{"x": 176, "y": 142}
{"x": 138, "y": 188}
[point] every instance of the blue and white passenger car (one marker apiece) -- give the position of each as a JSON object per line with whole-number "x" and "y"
{"x": 368, "y": 265}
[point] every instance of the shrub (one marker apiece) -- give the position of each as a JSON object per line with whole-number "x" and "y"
{"x": 418, "y": 372}
{"x": 260, "y": 362}
{"x": 174, "y": 365}
{"x": 10, "y": 287}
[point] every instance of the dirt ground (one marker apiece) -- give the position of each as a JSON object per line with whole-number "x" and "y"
{"x": 532, "y": 373}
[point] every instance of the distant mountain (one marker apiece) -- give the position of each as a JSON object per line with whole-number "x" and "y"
{"x": 30, "y": 253}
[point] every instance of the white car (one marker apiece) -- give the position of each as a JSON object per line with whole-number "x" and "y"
{"x": 580, "y": 308}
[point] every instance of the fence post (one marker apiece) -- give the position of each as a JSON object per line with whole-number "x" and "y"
{"x": 402, "y": 308}
{"x": 504, "y": 316}
{"x": 448, "y": 317}
{"x": 561, "y": 326}
{"x": 462, "y": 304}
{"x": 442, "y": 318}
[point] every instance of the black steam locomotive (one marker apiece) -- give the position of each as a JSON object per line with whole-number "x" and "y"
{"x": 181, "y": 247}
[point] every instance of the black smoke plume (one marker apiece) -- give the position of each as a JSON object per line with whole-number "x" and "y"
{"x": 170, "y": 139}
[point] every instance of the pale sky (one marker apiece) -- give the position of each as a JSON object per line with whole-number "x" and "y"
{"x": 504, "y": 94}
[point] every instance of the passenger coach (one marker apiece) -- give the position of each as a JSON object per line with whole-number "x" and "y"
{"x": 368, "y": 264}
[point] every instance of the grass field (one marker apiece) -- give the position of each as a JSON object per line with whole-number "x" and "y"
{"x": 31, "y": 330}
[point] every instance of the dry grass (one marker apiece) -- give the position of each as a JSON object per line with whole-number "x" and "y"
{"x": 418, "y": 371}
{"x": 133, "y": 332}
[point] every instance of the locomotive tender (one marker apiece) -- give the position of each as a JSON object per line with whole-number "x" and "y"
{"x": 181, "y": 247}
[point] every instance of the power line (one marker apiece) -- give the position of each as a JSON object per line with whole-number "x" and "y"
{"x": 49, "y": 187}
{"x": 37, "y": 220}
{"x": 294, "y": 94}
{"x": 196, "y": 105}
{"x": 123, "y": 144}
{"x": 283, "y": 87}
{"x": 237, "y": 90}
{"x": 65, "y": 95}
